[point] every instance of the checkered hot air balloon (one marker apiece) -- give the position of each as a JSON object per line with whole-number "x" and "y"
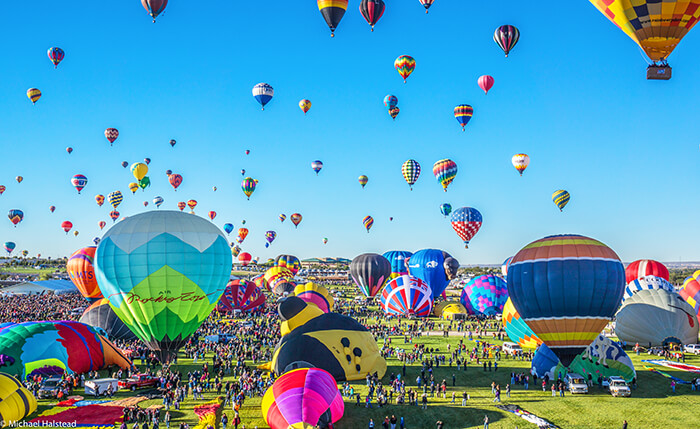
{"x": 445, "y": 172}
{"x": 466, "y": 222}
{"x": 411, "y": 171}
{"x": 407, "y": 296}
{"x": 646, "y": 283}
{"x": 489, "y": 294}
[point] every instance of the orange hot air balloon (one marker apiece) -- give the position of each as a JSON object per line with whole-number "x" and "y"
{"x": 245, "y": 258}
{"x": 242, "y": 234}
{"x": 212, "y": 215}
{"x": 67, "y": 226}
{"x": 82, "y": 273}
{"x": 100, "y": 199}
{"x": 181, "y": 205}
{"x": 175, "y": 180}
{"x": 192, "y": 204}
{"x": 296, "y": 219}
{"x": 102, "y": 224}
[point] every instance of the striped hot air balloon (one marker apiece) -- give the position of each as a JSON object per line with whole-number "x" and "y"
{"x": 371, "y": 11}
{"x": 646, "y": 283}
{"x": 405, "y": 65}
{"x": 561, "y": 198}
{"x": 486, "y": 82}
{"x": 506, "y": 37}
{"x": 241, "y": 295}
{"x": 463, "y": 114}
{"x": 263, "y": 93}
{"x": 407, "y": 296}
{"x": 411, "y": 171}
{"x": 115, "y": 198}
{"x": 332, "y": 11}
{"x": 691, "y": 291}
{"x": 56, "y": 55}
{"x": 516, "y": 329}
{"x": 154, "y": 7}
{"x": 34, "y": 95}
{"x": 363, "y": 180}
{"x": 111, "y": 134}
{"x": 79, "y": 181}
{"x": 466, "y": 221}
{"x": 426, "y": 4}
{"x": 645, "y": 267}
{"x": 445, "y": 172}
{"x": 368, "y": 221}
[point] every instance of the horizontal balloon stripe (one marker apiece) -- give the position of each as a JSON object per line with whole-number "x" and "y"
{"x": 343, "y": 4}
{"x": 569, "y": 338}
{"x": 563, "y": 324}
{"x": 563, "y": 258}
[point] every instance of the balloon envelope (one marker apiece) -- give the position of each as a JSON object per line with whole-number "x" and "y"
{"x": 370, "y": 271}
{"x": 81, "y": 271}
{"x": 645, "y": 267}
{"x": 407, "y": 296}
{"x": 100, "y": 315}
{"x": 434, "y": 267}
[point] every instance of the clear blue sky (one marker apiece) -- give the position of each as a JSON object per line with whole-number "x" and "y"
{"x": 572, "y": 95}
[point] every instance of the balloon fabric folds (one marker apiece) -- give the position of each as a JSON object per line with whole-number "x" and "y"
{"x": 645, "y": 267}
{"x": 517, "y": 330}
{"x": 302, "y": 398}
{"x": 370, "y": 271}
{"x": 154, "y": 7}
{"x": 489, "y": 294}
{"x": 407, "y": 296}
{"x": 263, "y": 93}
{"x": 646, "y": 283}
{"x": 445, "y": 172}
{"x": 691, "y": 291}
{"x": 410, "y": 171}
{"x": 100, "y": 315}
{"x": 561, "y": 199}
{"x": 241, "y": 295}
{"x": 656, "y": 26}
{"x": 486, "y": 82}
{"x": 463, "y": 114}
{"x": 405, "y": 65}
{"x": 81, "y": 271}
{"x": 506, "y": 37}
{"x": 398, "y": 259}
{"x": 332, "y": 11}
{"x": 566, "y": 288}
{"x": 163, "y": 273}
{"x": 466, "y": 221}
{"x": 315, "y": 294}
{"x": 435, "y": 267}
{"x": 371, "y": 11}
{"x": 16, "y": 402}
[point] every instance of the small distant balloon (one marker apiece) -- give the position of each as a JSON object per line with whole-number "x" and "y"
{"x": 175, "y": 180}
{"x": 394, "y": 112}
{"x": 486, "y": 83}
{"x": 561, "y": 199}
{"x": 368, "y": 221}
{"x": 34, "y": 95}
{"x": 19, "y": 179}
{"x": 463, "y": 114}
{"x": 125, "y": 164}
{"x": 79, "y": 181}
{"x": 405, "y": 65}
{"x": 363, "y": 180}
{"x": 316, "y": 166}
{"x": 391, "y": 101}
{"x": 263, "y": 93}
{"x": 111, "y": 134}
{"x": 506, "y": 37}
{"x": 157, "y": 201}
{"x": 305, "y": 105}
{"x": 173, "y": 142}
{"x": 154, "y": 7}
{"x": 52, "y": 209}
{"x": 147, "y": 160}
{"x": 66, "y": 226}
{"x": 56, "y": 55}
{"x": 520, "y": 162}
{"x": 69, "y": 150}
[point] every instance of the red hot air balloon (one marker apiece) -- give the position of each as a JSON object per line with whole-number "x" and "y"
{"x": 181, "y": 205}
{"x": 245, "y": 258}
{"x": 114, "y": 215}
{"x": 154, "y": 7}
{"x": 101, "y": 224}
{"x": 372, "y": 10}
{"x": 111, "y": 134}
{"x": 67, "y": 226}
{"x": 212, "y": 215}
{"x": 645, "y": 267}
{"x": 296, "y": 219}
{"x": 486, "y": 83}
{"x": 175, "y": 180}
{"x": 192, "y": 204}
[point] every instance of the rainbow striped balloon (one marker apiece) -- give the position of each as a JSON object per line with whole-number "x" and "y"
{"x": 405, "y": 65}
{"x": 368, "y": 221}
{"x": 516, "y": 329}
{"x": 463, "y": 114}
{"x": 445, "y": 172}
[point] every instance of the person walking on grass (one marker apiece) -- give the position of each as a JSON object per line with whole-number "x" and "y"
{"x": 508, "y": 390}
{"x": 425, "y": 401}
{"x": 486, "y": 421}
{"x": 464, "y": 398}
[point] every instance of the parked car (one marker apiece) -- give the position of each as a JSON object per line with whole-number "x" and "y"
{"x": 49, "y": 388}
{"x": 692, "y": 348}
{"x": 575, "y": 383}
{"x": 511, "y": 348}
{"x": 618, "y": 387}
{"x": 139, "y": 381}
{"x": 103, "y": 384}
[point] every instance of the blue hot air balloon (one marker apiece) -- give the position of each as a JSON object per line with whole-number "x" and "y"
{"x": 158, "y": 201}
{"x": 435, "y": 267}
{"x": 263, "y": 93}
{"x": 398, "y": 259}
{"x": 9, "y": 246}
{"x": 445, "y": 209}
{"x": 390, "y": 101}
{"x": 228, "y": 228}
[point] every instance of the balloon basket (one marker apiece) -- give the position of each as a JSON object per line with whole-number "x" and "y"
{"x": 659, "y": 72}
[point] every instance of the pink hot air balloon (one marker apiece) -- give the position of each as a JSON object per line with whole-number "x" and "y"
{"x": 486, "y": 83}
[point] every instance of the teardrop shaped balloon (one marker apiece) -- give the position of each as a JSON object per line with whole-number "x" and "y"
{"x": 296, "y": 219}
{"x": 158, "y": 201}
{"x": 111, "y": 134}
{"x": 305, "y": 105}
{"x": 371, "y": 11}
{"x": 486, "y": 83}
{"x": 212, "y": 215}
{"x": 66, "y": 226}
{"x": 463, "y": 114}
{"x": 79, "y": 181}
{"x": 263, "y": 93}
{"x": 561, "y": 199}
{"x": 316, "y": 166}
{"x": 394, "y": 112}
{"x": 133, "y": 187}
{"x": 282, "y": 217}
{"x": 445, "y": 172}
{"x": 139, "y": 170}
{"x": 520, "y": 162}
{"x": 56, "y": 55}
{"x": 368, "y": 221}
{"x": 69, "y": 150}
{"x": 332, "y": 11}
{"x": 192, "y": 204}
{"x": 426, "y": 4}
{"x": 466, "y": 221}
{"x": 181, "y": 205}
{"x": 99, "y": 199}
{"x": 410, "y": 171}
{"x": 175, "y": 180}
{"x": 15, "y": 216}
{"x": 154, "y": 7}
{"x": 115, "y": 198}
{"x": 52, "y": 209}
{"x": 506, "y": 37}
{"x": 228, "y": 228}
{"x": 102, "y": 224}
{"x": 248, "y": 185}
{"x": 173, "y": 142}
{"x": 405, "y": 65}
{"x": 363, "y": 180}
{"x": 81, "y": 271}
{"x": 242, "y": 234}
{"x": 34, "y": 95}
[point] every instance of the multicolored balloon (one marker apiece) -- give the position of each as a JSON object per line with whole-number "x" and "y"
{"x": 82, "y": 273}
{"x": 561, "y": 198}
{"x": 466, "y": 221}
{"x": 506, "y": 37}
{"x": 241, "y": 295}
{"x": 489, "y": 294}
{"x": 691, "y": 291}
{"x": 315, "y": 294}
{"x": 99, "y": 199}
{"x": 305, "y": 105}
{"x": 175, "y": 181}
{"x": 133, "y": 187}
{"x": 114, "y": 215}
{"x": 371, "y": 11}
{"x": 52, "y": 209}
{"x": 426, "y": 4}
{"x": 296, "y": 219}
{"x": 332, "y": 11}
{"x": 115, "y": 198}
{"x": 3, "y": 188}
{"x": 191, "y": 204}
{"x": 242, "y": 234}
{"x": 9, "y": 247}
{"x": 111, "y": 134}
{"x": 486, "y": 82}
{"x": 394, "y": 112}
{"x": 368, "y": 221}
{"x": 463, "y": 114}
{"x": 263, "y": 93}
{"x": 270, "y": 236}
{"x": 516, "y": 329}
{"x": 407, "y": 296}
{"x": 370, "y": 271}
{"x": 158, "y": 201}
{"x": 363, "y": 180}
{"x": 56, "y": 55}
{"x": 154, "y": 7}
{"x": 316, "y": 166}
{"x": 212, "y": 214}
{"x": 520, "y": 162}
{"x": 34, "y": 95}
{"x": 410, "y": 171}
{"x": 101, "y": 224}
{"x": 248, "y": 185}
{"x": 445, "y": 209}
{"x": 282, "y": 217}
{"x": 566, "y": 311}
{"x": 290, "y": 262}
{"x": 79, "y": 181}
{"x": 645, "y": 267}
{"x": 173, "y": 142}
{"x": 19, "y": 179}
{"x": 15, "y": 216}
{"x": 405, "y": 65}
{"x": 181, "y": 205}
{"x": 445, "y": 172}
{"x": 391, "y": 101}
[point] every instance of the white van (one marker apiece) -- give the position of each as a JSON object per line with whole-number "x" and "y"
{"x": 103, "y": 383}
{"x": 575, "y": 383}
{"x": 618, "y": 387}
{"x": 511, "y": 348}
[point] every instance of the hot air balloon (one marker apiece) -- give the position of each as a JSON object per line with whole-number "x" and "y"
{"x": 691, "y": 291}
{"x": 248, "y": 185}
{"x": 390, "y": 101}
{"x": 332, "y": 11}
{"x": 56, "y": 55}
{"x": 235, "y": 250}
{"x": 144, "y": 183}
{"x": 2, "y": 189}
{"x": 189, "y": 264}
{"x": 99, "y": 199}
{"x": 133, "y": 187}
{"x": 363, "y": 180}
{"x": 561, "y": 199}
{"x": 15, "y": 216}
{"x": 101, "y": 224}
{"x": 111, "y": 134}
{"x": 181, "y": 205}
{"x": 69, "y": 150}
{"x": 296, "y": 219}
{"x": 488, "y": 295}
{"x": 520, "y": 162}
{"x": 405, "y": 66}
{"x": 646, "y": 283}
{"x": 398, "y": 259}
{"x": 243, "y": 222}
{"x": 100, "y": 315}
{"x": 9, "y": 247}
{"x": 325, "y": 240}
{"x": 506, "y": 36}
{"x": 228, "y": 228}
{"x": 96, "y": 240}
{"x": 247, "y": 151}
{"x": 370, "y": 271}
{"x": 463, "y": 114}
{"x": 282, "y": 217}
{"x": 114, "y": 215}
{"x": 316, "y": 166}
{"x": 191, "y": 204}
{"x": 173, "y": 142}
{"x": 371, "y": 11}
{"x": 242, "y": 234}
{"x": 315, "y": 294}
{"x": 139, "y": 170}
{"x": 280, "y": 280}
{"x": 175, "y": 180}
{"x": 16, "y": 402}
{"x": 445, "y": 171}
{"x": 115, "y": 198}
{"x": 82, "y": 273}
{"x": 79, "y": 181}
{"x": 407, "y": 296}
{"x": 66, "y": 225}
{"x": 486, "y": 83}
{"x": 466, "y": 221}
{"x": 52, "y": 209}
{"x": 154, "y": 7}
{"x": 410, "y": 170}
{"x": 445, "y": 209}
{"x": 263, "y": 93}
{"x": 19, "y": 179}
{"x": 426, "y": 4}
{"x": 449, "y": 310}
{"x": 270, "y": 236}
{"x": 25, "y": 253}
{"x": 212, "y": 215}
{"x": 289, "y": 262}
{"x": 435, "y": 267}
{"x": 157, "y": 201}
{"x": 566, "y": 288}
{"x": 368, "y": 221}
{"x": 303, "y": 397}
{"x": 34, "y": 95}
{"x": 504, "y": 267}
{"x": 244, "y": 258}
{"x": 305, "y": 105}
{"x": 394, "y": 112}
{"x": 147, "y": 160}
{"x": 656, "y": 317}
{"x": 241, "y": 295}
{"x": 645, "y": 267}
{"x": 243, "y": 172}
{"x": 125, "y": 164}
{"x": 517, "y": 330}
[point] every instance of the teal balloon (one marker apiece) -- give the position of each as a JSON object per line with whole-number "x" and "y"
{"x": 445, "y": 209}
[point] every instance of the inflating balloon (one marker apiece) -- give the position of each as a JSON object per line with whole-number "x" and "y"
{"x": 646, "y": 283}
{"x": 315, "y": 294}
{"x": 645, "y": 267}
{"x": 407, "y": 296}
{"x": 398, "y": 260}
{"x": 691, "y": 291}
{"x": 16, "y": 402}
{"x": 241, "y": 295}
{"x": 81, "y": 271}
{"x": 488, "y": 295}
{"x": 517, "y": 330}
{"x": 100, "y": 315}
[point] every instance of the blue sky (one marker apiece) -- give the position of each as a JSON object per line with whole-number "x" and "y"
{"x": 572, "y": 95}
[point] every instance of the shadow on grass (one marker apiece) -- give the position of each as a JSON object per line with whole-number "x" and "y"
{"x": 415, "y": 417}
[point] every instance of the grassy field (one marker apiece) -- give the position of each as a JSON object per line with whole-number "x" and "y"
{"x": 29, "y": 270}
{"x": 652, "y": 405}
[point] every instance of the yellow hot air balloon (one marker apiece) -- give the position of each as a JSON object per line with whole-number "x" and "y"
{"x": 139, "y": 170}
{"x": 656, "y": 26}
{"x": 16, "y": 402}
{"x": 133, "y": 187}
{"x": 34, "y": 95}
{"x": 315, "y": 294}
